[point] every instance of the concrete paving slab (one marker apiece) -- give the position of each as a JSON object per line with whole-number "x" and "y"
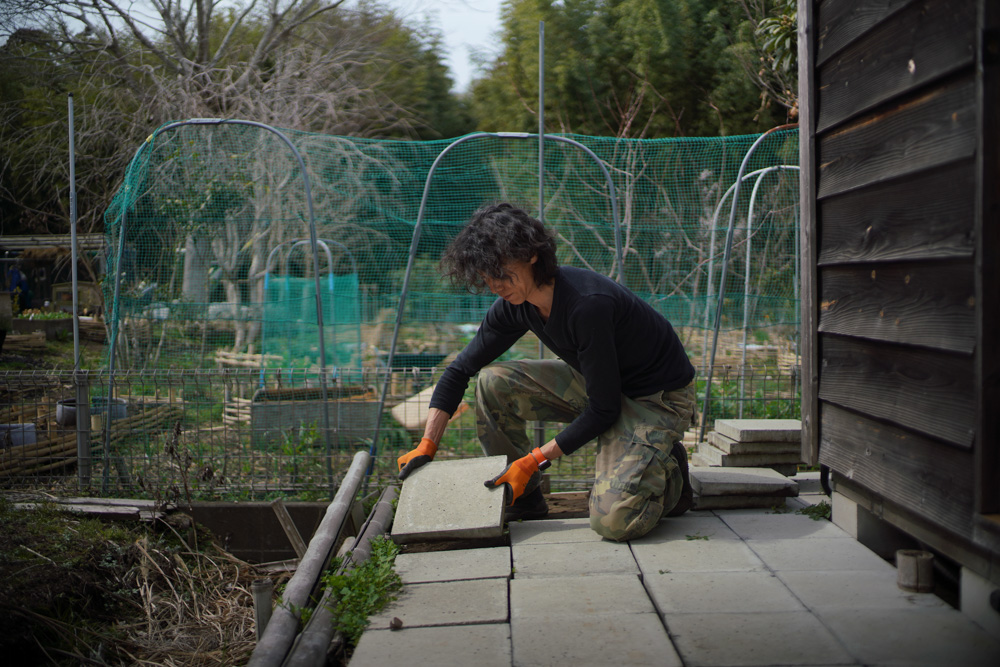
{"x": 707, "y": 592}
{"x": 562, "y": 597}
{"x": 704, "y": 503}
{"x": 552, "y": 531}
{"x": 913, "y": 637}
{"x": 760, "y": 430}
{"x": 454, "y": 646}
{"x": 778, "y": 526}
{"x": 755, "y": 638}
{"x": 572, "y": 559}
{"x": 712, "y": 555}
{"x": 716, "y": 457}
{"x": 419, "y": 568}
{"x": 447, "y": 603}
{"x": 633, "y": 640}
{"x": 851, "y": 589}
{"x": 447, "y": 499}
{"x": 838, "y": 553}
{"x": 741, "y": 481}
{"x": 679, "y": 528}
{"x": 730, "y": 446}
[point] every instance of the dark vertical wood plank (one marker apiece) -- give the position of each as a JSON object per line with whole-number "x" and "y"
{"x": 924, "y": 41}
{"x": 987, "y": 259}
{"x": 924, "y": 391}
{"x": 929, "y": 304}
{"x": 808, "y": 236}
{"x": 840, "y": 22}
{"x": 927, "y": 477}
{"x": 936, "y": 127}
{"x": 926, "y": 216}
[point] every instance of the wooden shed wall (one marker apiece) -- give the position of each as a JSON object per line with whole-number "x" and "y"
{"x": 900, "y": 219}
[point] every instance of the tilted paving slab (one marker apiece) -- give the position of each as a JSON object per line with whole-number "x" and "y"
{"x": 453, "y": 646}
{"x": 562, "y": 597}
{"x": 574, "y": 558}
{"x": 630, "y": 640}
{"x": 448, "y": 499}
{"x": 696, "y": 555}
{"x": 760, "y": 430}
{"x": 713, "y": 481}
{"x": 754, "y": 639}
{"x": 784, "y": 525}
{"x": 941, "y": 636}
{"x": 730, "y": 446}
{"x": 838, "y": 553}
{"x": 552, "y": 531}
{"x": 707, "y": 592}
{"x": 418, "y": 568}
{"x": 786, "y": 469}
{"x": 854, "y": 589}
{"x": 447, "y": 603}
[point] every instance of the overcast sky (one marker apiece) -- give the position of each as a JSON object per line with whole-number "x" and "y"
{"x": 465, "y": 24}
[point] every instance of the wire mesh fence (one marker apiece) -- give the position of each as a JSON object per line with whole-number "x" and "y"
{"x": 232, "y": 434}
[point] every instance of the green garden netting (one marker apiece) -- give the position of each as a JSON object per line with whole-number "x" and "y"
{"x": 203, "y": 206}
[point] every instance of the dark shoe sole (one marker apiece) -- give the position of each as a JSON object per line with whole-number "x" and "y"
{"x": 686, "y": 500}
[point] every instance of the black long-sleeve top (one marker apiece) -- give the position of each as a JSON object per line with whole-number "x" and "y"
{"x": 612, "y": 337}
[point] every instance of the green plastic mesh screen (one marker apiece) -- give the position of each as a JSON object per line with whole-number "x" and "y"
{"x": 203, "y": 207}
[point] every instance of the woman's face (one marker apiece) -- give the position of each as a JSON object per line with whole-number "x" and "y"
{"x": 517, "y": 283}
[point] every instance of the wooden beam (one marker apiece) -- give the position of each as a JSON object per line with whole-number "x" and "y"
{"x": 925, "y": 391}
{"x": 918, "y": 132}
{"x": 987, "y": 233}
{"x": 841, "y": 23}
{"x": 808, "y": 237}
{"x": 926, "y": 40}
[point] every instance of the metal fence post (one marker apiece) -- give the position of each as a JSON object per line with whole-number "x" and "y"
{"x": 81, "y": 379}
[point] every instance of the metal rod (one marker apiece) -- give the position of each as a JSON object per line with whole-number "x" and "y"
{"x": 262, "y": 590}
{"x": 72, "y": 235}
{"x": 540, "y": 426}
{"x": 725, "y": 264}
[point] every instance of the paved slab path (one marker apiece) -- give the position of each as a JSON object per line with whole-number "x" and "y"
{"x": 726, "y": 588}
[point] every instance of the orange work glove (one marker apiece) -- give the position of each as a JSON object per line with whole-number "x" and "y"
{"x": 413, "y": 459}
{"x": 517, "y": 474}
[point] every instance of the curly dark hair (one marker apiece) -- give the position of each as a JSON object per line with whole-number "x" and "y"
{"x": 496, "y": 235}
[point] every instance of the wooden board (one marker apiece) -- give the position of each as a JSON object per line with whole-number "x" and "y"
{"x": 919, "y": 132}
{"x": 934, "y": 480}
{"x": 841, "y": 23}
{"x": 926, "y": 40}
{"x": 925, "y": 391}
{"x": 925, "y": 216}
{"x": 928, "y": 304}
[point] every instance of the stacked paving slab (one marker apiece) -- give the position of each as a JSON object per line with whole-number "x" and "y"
{"x": 740, "y": 488}
{"x": 753, "y": 443}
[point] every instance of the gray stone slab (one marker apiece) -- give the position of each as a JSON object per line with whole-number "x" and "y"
{"x": 688, "y": 525}
{"x": 786, "y": 469}
{"x": 633, "y": 640}
{"x": 552, "y": 531}
{"x": 842, "y": 553}
{"x": 696, "y": 555}
{"x": 777, "y": 526}
{"x": 447, "y": 499}
{"x": 455, "y": 646}
{"x": 754, "y": 638}
{"x": 456, "y": 565}
{"x": 741, "y": 481}
{"x": 854, "y": 589}
{"x": 447, "y": 603}
{"x": 571, "y": 559}
{"x": 760, "y": 430}
{"x": 568, "y": 597}
{"x": 914, "y": 637}
{"x": 730, "y": 446}
{"x": 705, "y": 503}
{"x": 716, "y": 457}
{"x": 707, "y": 592}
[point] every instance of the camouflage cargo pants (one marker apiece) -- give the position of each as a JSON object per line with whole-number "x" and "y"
{"x": 637, "y": 479}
